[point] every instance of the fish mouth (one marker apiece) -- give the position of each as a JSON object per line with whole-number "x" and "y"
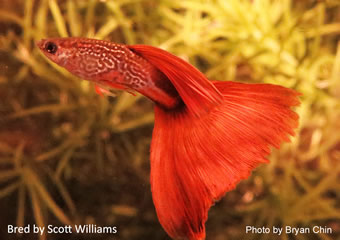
{"x": 41, "y": 43}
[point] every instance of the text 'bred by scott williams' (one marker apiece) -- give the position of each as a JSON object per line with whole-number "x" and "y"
{"x": 88, "y": 228}
{"x": 288, "y": 230}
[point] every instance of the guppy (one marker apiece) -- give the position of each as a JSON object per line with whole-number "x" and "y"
{"x": 208, "y": 135}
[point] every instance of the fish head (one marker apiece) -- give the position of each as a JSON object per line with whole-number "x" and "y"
{"x": 59, "y": 50}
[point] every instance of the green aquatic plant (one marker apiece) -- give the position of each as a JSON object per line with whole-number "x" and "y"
{"x": 59, "y": 141}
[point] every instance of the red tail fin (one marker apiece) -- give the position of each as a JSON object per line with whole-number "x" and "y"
{"x": 195, "y": 161}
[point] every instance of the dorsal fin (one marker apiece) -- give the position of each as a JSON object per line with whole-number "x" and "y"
{"x": 196, "y": 91}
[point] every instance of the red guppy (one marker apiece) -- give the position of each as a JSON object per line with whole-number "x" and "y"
{"x": 208, "y": 135}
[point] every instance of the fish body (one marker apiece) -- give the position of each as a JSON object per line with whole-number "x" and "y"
{"x": 208, "y": 135}
{"x": 111, "y": 64}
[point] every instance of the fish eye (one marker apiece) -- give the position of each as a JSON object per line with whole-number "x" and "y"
{"x": 51, "y": 47}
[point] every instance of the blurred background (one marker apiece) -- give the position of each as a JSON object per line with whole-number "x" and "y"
{"x": 68, "y": 155}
